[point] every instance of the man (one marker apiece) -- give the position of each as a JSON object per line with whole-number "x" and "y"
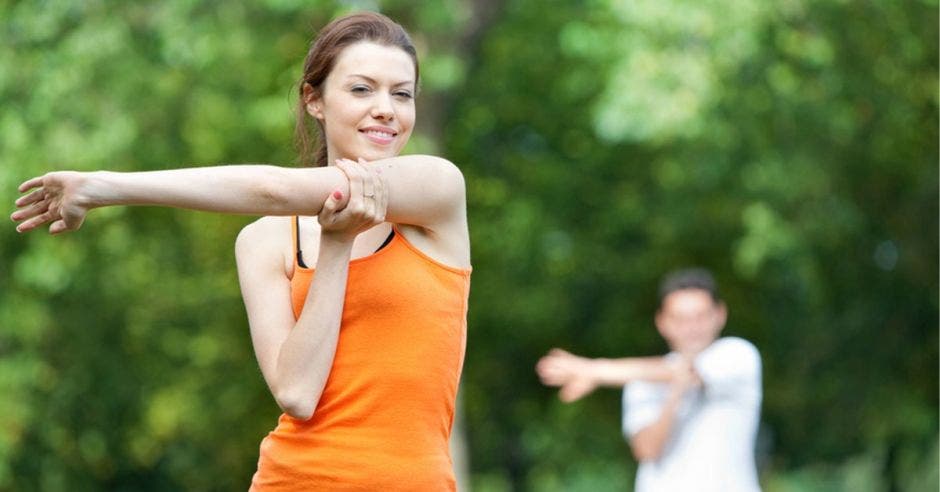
{"x": 691, "y": 415}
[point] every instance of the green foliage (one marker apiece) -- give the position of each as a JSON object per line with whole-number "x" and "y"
{"x": 791, "y": 147}
{"x": 126, "y": 362}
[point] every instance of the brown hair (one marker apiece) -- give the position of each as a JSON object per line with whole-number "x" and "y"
{"x": 329, "y": 43}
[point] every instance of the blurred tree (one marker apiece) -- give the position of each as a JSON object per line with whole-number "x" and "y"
{"x": 790, "y": 147}
{"x": 125, "y": 361}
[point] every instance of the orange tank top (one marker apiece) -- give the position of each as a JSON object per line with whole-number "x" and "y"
{"x": 384, "y": 419}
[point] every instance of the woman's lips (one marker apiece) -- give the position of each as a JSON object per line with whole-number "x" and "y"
{"x": 379, "y": 136}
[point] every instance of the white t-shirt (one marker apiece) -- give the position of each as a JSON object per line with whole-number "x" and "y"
{"x": 711, "y": 446}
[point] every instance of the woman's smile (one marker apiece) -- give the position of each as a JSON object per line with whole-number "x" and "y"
{"x": 380, "y": 135}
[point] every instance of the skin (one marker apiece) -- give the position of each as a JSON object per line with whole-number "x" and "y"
{"x": 689, "y": 320}
{"x": 367, "y": 188}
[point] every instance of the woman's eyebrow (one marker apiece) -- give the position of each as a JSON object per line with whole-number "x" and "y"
{"x": 373, "y": 81}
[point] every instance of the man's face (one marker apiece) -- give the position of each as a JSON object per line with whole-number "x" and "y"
{"x": 690, "y": 320}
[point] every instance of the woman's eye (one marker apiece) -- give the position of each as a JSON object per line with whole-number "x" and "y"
{"x": 360, "y": 89}
{"x": 404, "y": 94}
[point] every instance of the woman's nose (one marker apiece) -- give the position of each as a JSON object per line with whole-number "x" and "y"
{"x": 382, "y": 109}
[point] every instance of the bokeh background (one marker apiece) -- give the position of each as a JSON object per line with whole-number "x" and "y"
{"x": 790, "y": 146}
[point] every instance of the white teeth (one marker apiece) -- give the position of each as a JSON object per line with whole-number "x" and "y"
{"x": 380, "y": 134}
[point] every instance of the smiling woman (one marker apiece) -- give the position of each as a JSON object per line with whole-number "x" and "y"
{"x": 364, "y": 59}
{"x": 364, "y": 356}
{"x": 367, "y": 101}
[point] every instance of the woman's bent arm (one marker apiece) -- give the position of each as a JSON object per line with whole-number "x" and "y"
{"x": 295, "y": 356}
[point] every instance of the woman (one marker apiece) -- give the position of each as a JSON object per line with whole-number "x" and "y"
{"x": 365, "y": 356}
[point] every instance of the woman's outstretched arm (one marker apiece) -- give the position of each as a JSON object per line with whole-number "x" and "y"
{"x": 62, "y": 199}
{"x": 425, "y": 191}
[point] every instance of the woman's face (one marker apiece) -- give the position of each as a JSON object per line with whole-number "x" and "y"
{"x": 367, "y": 104}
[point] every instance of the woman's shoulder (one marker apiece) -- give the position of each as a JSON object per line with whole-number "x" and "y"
{"x": 266, "y": 239}
{"x": 265, "y": 228}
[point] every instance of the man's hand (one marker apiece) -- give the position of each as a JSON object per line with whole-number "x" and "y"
{"x": 572, "y": 373}
{"x": 684, "y": 376}
{"x": 59, "y": 198}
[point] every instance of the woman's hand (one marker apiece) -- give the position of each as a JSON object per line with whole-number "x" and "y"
{"x": 60, "y": 197}
{"x": 365, "y": 206}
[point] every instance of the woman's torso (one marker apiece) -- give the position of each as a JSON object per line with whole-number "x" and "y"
{"x": 384, "y": 418}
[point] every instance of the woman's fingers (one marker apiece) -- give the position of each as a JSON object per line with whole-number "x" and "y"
{"x": 370, "y": 192}
{"x": 355, "y": 180}
{"x": 58, "y": 226}
{"x": 34, "y": 222}
{"x": 382, "y": 197}
{"x": 330, "y": 206}
{"x": 337, "y": 213}
{"x": 33, "y": 197}
{"x": 363, "y": 194}
{"x": 368, "y": 197}
{"x": 379, "y": 198}
{"x": 53, "y": 200}
{"x": 368, "y": 185}
{"x": 30, "y": 211}
{"x": 30, "y": 184}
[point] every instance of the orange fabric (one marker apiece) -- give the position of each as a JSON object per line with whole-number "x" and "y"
{"x": 384, "y": 419}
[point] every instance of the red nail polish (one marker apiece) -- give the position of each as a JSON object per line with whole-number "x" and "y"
{"x": 337, "y": 195}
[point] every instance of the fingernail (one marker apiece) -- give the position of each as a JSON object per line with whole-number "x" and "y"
{"x": 337, "y": 195}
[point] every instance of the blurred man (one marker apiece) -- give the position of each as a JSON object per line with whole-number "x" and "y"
{"x": 691, "y": 415}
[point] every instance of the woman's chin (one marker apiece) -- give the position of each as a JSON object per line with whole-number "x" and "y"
{"x": 375, "y": 155}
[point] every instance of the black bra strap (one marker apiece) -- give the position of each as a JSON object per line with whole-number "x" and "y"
{"x": 300, "y": 254}
{"x": 387, "y": 240}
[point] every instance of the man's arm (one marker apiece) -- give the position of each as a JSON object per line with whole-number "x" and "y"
{"x": 578, "y": 376}
{"x": 731, "y": 369}
{"x": 649, "y": 442}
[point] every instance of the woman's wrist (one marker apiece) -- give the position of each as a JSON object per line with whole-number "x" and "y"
{"x": 98, "y": 189}
{"x": 336, "y": 241}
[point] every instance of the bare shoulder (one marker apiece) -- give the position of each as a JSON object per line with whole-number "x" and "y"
{"x": 264, "y": 240}
{"x": 263, "y": 229}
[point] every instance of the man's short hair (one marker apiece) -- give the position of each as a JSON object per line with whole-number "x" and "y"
{"x": 688, "y": 278}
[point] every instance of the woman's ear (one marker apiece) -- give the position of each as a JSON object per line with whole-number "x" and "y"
{"x": 312, "y": 101}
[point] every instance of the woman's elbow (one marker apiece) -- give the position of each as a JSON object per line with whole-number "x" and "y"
{"x": 272, "y": 192}
{"x": 450, "y": 186}
{"x": 453, "y": 176}
{"x": 297, "y": 406}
